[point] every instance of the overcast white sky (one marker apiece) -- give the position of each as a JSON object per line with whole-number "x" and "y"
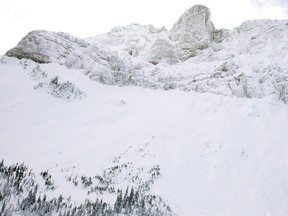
{"x": 87, "y": 18}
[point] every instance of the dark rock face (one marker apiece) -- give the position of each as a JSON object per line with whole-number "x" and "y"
{"x": 31, "y": 47}
{"x": 24, "y": 54}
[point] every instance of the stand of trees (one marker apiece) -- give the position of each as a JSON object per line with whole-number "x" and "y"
{"x": 19, "y": 196}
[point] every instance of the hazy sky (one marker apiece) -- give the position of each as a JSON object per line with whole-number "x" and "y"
{"x": 87, "y": 18}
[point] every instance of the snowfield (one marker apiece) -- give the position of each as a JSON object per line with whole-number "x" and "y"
{"x": 218, "y": 155}
{"x": 195, "y": 125}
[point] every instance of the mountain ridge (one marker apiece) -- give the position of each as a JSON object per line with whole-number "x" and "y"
{"x": 137, "y": 55}
{"x": 204, "y": 135}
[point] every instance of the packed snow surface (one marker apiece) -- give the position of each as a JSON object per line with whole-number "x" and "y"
{"x": 212, "y": 118}
{"x": 218, "y": 155}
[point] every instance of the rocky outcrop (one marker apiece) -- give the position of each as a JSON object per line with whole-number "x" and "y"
{"x": 192, "y": 32}
{"x": 189, "y": 35}
{"x": 21, "y": 53}
{"x": 147, "y": 43}
{"x": 46, "y": 47}
{"x": 247, "y": 61}
{"x": 162, "y": 51}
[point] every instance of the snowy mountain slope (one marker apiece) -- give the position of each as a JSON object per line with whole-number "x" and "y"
{"x": 184, "y": 153}
{"x": 217, "y": 155}
{"x": 248, "y": 61}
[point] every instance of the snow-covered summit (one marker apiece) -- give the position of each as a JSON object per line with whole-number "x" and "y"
{"x": 105, "y": 150}
{"x": 193, "y": 31}
{"x": 247, "y": 61}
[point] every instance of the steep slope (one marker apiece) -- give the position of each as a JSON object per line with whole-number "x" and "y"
{"x": 193, "y": 32}
{"x": 145, "y": 42}
{"x": 215, "y": 155}
{"x": 221, "y": 152}
{"x": 248, "y": 61}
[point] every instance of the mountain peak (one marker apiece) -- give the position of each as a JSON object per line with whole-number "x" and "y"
{"x": 243, "y": 62}
{"x": 193, "y": 31}
{"x": 199, "y": 9}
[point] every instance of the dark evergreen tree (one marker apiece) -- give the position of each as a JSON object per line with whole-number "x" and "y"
{"x": 136, "y": 199}
{"x": 3, "y": 208}
{"x": 131, "y": 198}
{"x": 118, "y": 202}
{"x": 125, "y": 198}
{"x": 17, "y": 184}
{"x": 1, "y": 165}
{"x": 142, "y": 207}
{"x": 1, "y": 196}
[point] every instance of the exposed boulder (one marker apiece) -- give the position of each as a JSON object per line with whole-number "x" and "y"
{"x": 192, "y": 32}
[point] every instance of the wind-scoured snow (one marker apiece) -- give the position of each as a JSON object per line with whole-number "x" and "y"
{"x": 207, "y": 135}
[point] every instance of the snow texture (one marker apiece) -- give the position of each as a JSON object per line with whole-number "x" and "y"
{"x": 207, "y": 135}
{"x": 248, "y": 61}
